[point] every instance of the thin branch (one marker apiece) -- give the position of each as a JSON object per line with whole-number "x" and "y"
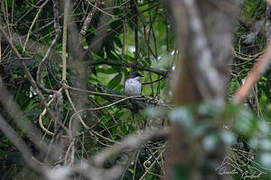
{"x": 125, "y": 64}
{"x": 33, "y": 23}
{"x": 22, "y": 122}
{"x": 27, "y": 72}
{"x": 28, "y": 12}
{"x": 88, "y": 20}
{"x": 96, "y": 42}
{"x": 96, "y": 7}
{"x": 97, "y": 93}
{"x": 130, "y": 143}
{"x": 136, "y": 35}
{"x": 96, "y": 109}
{"x": 151, "y": 82}
{"x": 45, "y": 57}
{"x": 64, "y": 40}
{"x": 254, "y": 75}
{"x": 106, "y": 106}
{"x": 0, "y": 48}
{"x": 20, "y": 145}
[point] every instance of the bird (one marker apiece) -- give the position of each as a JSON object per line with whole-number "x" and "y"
{"x": 133, "y": 87}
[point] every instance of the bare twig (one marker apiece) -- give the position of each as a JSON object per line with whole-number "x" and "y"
{"x": 130, "y": 143}
{"x": 19, "y": 118}
{"x": 28, "y": 12}
{"x": 96, "y": 7}
{"x": 125, "y": 64}
{"x": 106, "y": 106}
{"x": 253, "y": 76}
{"x": 28, "y": 74}
{"x": 45, "y": 57}
{"x": 88, "y": 20}
{"x": 64, "y": 40}
{"x": 136, "y": 35}
{"x": 20, "y": 145}
{"x": 33, "y": 23}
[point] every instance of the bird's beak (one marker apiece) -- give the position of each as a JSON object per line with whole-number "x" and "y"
{"x": 141, "y": 75}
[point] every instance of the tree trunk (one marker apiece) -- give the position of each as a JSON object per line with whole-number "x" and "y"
{"x": 204, "y": 32}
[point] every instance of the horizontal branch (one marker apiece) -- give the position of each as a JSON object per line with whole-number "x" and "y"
{"x": 41, "y": 50}
{"x": 130, "y": 143}
{"x": 130, "y": 65}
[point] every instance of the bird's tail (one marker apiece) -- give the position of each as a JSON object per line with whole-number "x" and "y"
{"x": 135, "y": 106}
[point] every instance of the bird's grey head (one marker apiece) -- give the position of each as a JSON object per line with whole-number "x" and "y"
{"x": 135, "y": 75}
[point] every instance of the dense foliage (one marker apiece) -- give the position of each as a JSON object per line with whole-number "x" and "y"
{"x": 111, "y": 50}
{"x": 106, "y": 41}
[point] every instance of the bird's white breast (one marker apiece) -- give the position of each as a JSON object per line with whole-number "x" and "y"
{"x": 132, "y": 87}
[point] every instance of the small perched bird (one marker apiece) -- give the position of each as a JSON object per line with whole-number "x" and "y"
{"x": 133, "y": 87}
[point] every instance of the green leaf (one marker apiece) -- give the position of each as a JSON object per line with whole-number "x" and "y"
{"x": 107, "y": 71}
{"x": 115, "y": 81}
